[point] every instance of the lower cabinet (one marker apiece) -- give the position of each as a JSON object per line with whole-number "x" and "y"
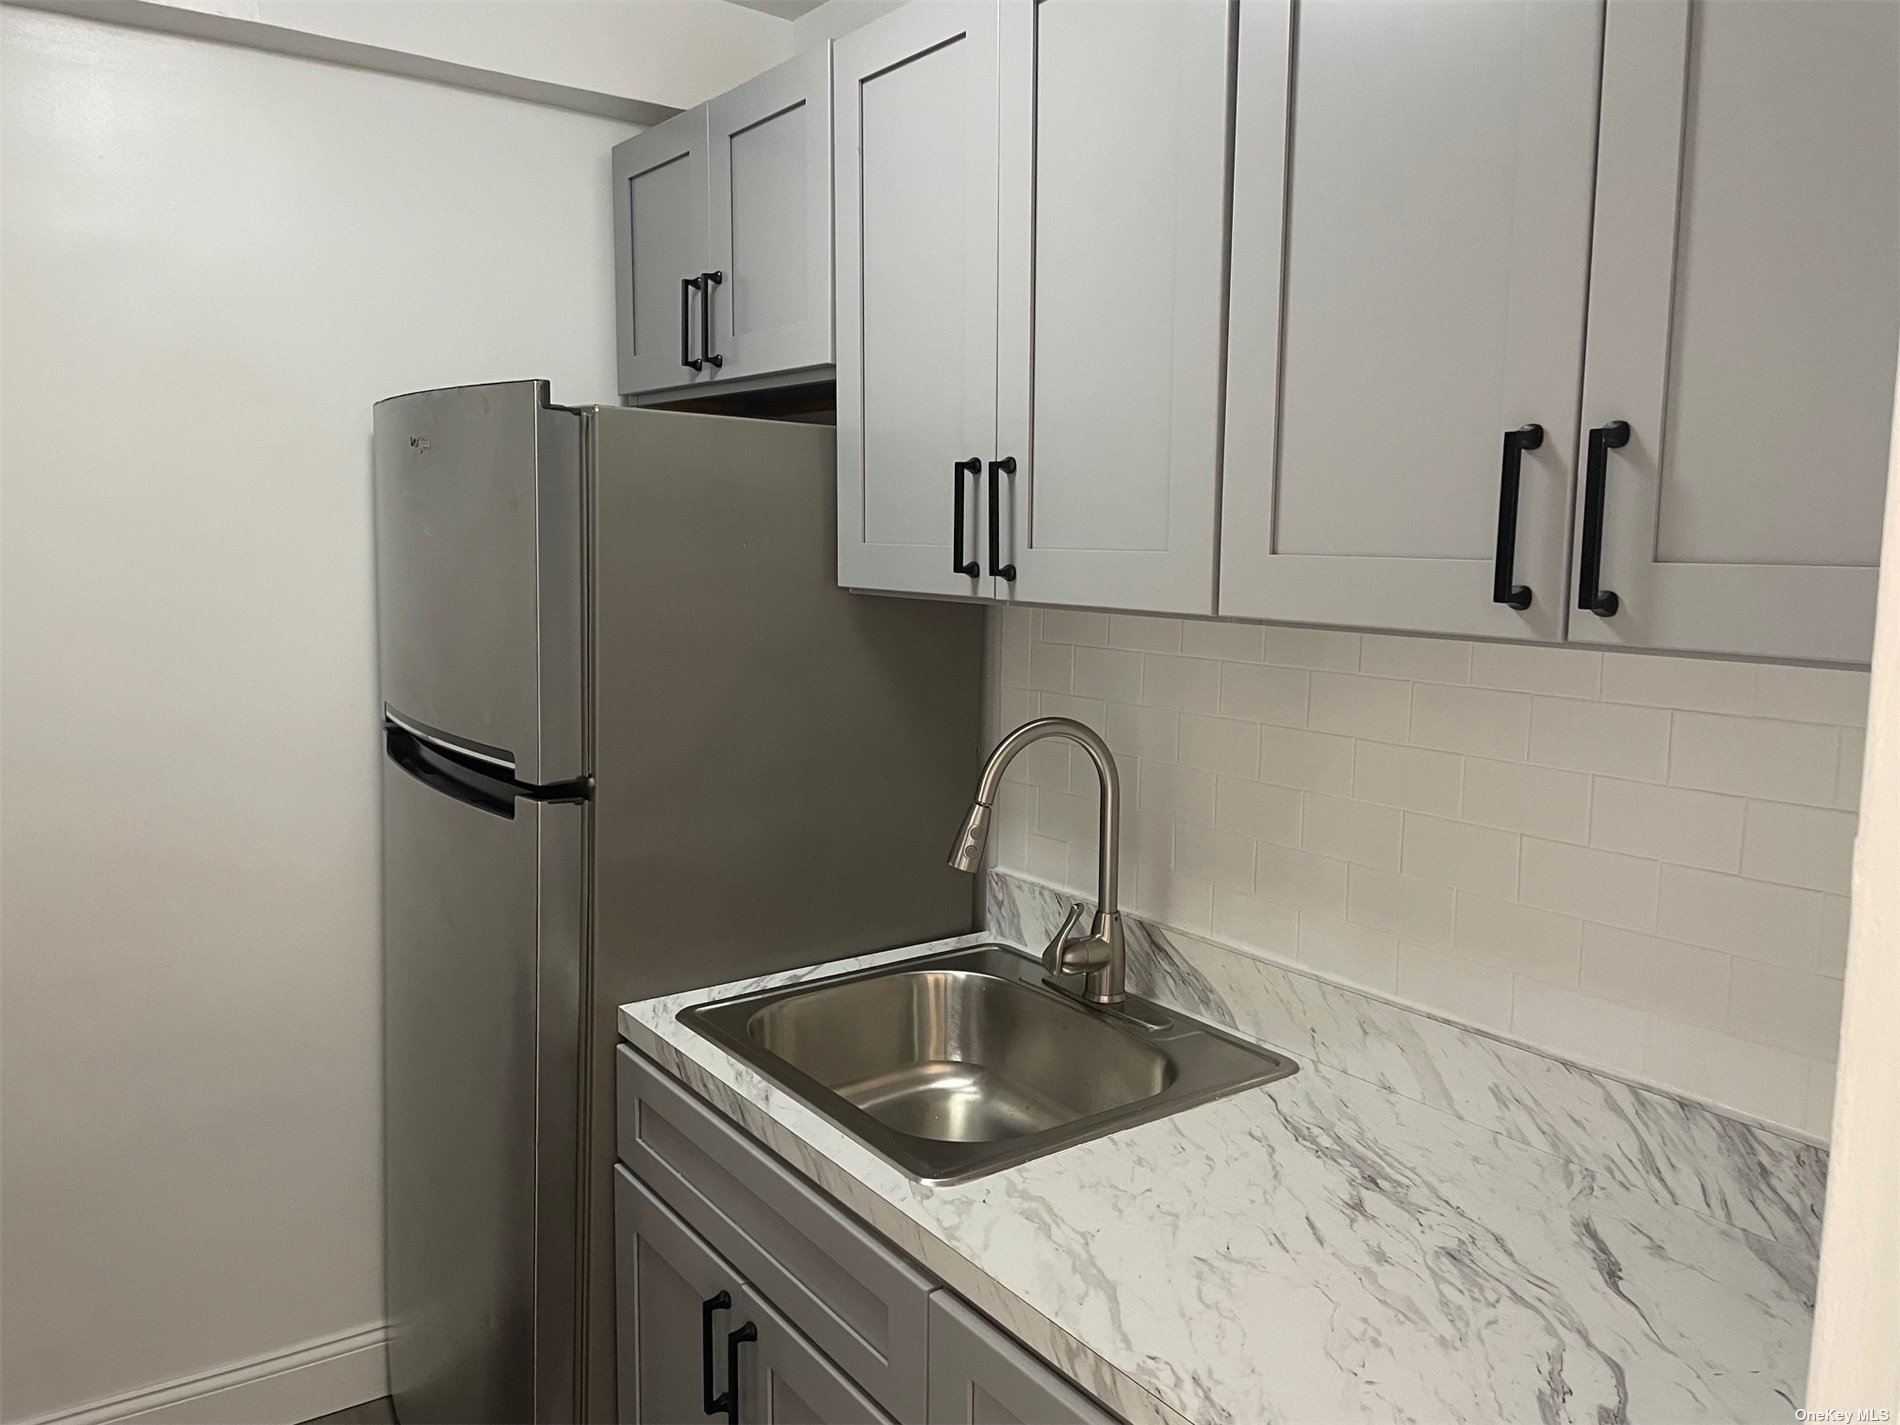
{"x": 701, "y": 1338}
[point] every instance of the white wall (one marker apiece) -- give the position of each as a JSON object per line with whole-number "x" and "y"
{"x": 1637, "y": 862}
{"x": 828, "y": 21}
{"x": 212, "y": 261}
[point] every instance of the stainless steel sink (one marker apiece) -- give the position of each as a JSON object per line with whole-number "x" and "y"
{"x": 958, "y": 1064}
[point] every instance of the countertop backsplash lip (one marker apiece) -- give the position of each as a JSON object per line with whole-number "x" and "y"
{"x": 1326, "y": 1247}
{"x": 1764, "y": 1179}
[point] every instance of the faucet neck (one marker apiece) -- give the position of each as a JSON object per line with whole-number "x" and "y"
{"x": 1108, "y": 827}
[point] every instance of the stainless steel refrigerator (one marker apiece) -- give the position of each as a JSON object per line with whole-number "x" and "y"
{"x": 636, "y": 741}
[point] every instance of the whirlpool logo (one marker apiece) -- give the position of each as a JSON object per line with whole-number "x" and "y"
{"x": 418, "y": 442}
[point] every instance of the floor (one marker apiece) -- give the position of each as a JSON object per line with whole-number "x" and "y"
{"x": 373, "y": 1412}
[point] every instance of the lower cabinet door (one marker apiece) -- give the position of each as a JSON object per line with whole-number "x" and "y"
{"x": 692, "y": 1334}
{"x": 980, "y": 1375}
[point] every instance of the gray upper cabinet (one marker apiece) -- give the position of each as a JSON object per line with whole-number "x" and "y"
{"x": 914, "y": 99}
{"x": 1411, "y": 219}
{"x": 1744, "y": 307}
{"x": 1113, "y": 198}
{"x": 660, "y": 247}
{"x": 722, "y": 222}
{"x": 979, "y": 1375}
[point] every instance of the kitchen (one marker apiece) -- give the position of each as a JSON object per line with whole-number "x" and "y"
{"x": 1557, "y": 892}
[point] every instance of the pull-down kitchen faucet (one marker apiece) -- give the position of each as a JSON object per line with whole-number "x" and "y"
{"x": 1097, "y": 957}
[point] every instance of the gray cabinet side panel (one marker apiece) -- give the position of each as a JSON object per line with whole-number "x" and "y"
{"x": 979, "y": 1375}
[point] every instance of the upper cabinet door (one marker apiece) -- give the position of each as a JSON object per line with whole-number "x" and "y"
{"x": 1744, "y": 305}
{"x": 1410, "y": 249}
{"x": 769, "y": 159}
{"x": 660, "y": 247}
{"x": 1114, "y": 175}
{"x": 914, "y": 100}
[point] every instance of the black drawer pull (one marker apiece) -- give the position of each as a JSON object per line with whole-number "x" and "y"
{"x": 719, "y": 1301}
{"x": 745, "y": 1333}
{"x": 1591, "y": 596}
{"x": 969, "y": 568}
{"x": 1503, "y": 589}
{"x": 687, "y": 285}
{"x": 998, "y": 469}
{"x": 708, "y": 281}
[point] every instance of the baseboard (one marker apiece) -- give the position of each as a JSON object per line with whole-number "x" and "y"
{"x": 283, "y": 1388}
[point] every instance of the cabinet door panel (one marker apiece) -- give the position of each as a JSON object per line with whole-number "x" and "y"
{"x": 785, "y": 1380}
{"x": 1110, "y": 280}
{"x": 1744, "y": 307}
{"x": 659, "y": 241}
{"x": 662, "y": 1276}
{"x": 1411, "y": 219}
{"x": 914, "y": 109}
{"x": 769, "y": 161}
{"x": 981, "y": 1376}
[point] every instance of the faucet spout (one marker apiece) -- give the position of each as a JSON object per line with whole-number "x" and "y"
{"x": 1099, "y": 956}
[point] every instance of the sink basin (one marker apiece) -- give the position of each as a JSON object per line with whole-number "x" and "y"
{"x": 959, "y": 1064}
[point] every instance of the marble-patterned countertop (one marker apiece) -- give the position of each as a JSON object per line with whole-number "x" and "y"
{"x": 1319, "y": 1249}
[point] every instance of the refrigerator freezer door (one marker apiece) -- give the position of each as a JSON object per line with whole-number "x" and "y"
{"x": 481, "y": 926}
{"x": 479, "y": 571}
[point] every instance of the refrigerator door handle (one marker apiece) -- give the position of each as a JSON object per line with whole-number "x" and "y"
{"x": 499, "y": 758}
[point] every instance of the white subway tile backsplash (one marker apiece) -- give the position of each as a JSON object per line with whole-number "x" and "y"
{"x": 1636, "y": 860}
{"x": 1732, "y": 1072}
{"x": 1832, "y": 695}
{"x": 1144, "y": 633}
{"x": 1450, "y": 984}
{"x": 1782, "y": 925}
{"x": 1349, "y": 952}
{"x": 1694, "y": 684}
{"x": 1232, "y": 642}
{"x": 1356, "y": 831}
{"x": 1675, "y": 824}
{"x": 1603, "y": 886}
{"x": 1401, "y": 905}
{"x": 1184, "y": 793}
{"x": 1481, "y": 721}
{"x": 1300, "y": 878}
{"x": 1851, "y": 765}
{"x": 1185, "y": 684}
{"x": 1457, "y": 854}
{"x": 1257, "y": 809}
{"x": 1578, "y": 1025}
{"x": 1316, "y": 761}
{"x": 1071, "y": 626}
{"x": 1415, "y": 778}
{"x": 1143, "y": 732}
{"x": 1751, "y": 757}
{"x": 1110, "y": 673}
{"x": 1264, "y": 693}
{"x": 1666, "y": 977}
{"x": 1423, "y": 660}
{"x": 1222, "y": 857}
{"x": 1310, "y": 648}
{"x": 1793, "y": 1009}
{"x": 1520, "y": 796}
{"x": 1352, "y": 705}
{"x": 1818, "y": 1116}
{"x": 1220, "y": 744}
{"x": 1564, "y": 672}
{"x": 1800, "y": 846}
{"x": 1052, "y": 667}
{"x": 1255, "y": 923}
{"x": 1616, "y": 740}
{"x": 1519, "y": 938}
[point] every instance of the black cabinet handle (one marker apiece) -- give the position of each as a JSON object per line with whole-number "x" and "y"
{"x": 1591, "y": 597}
{"x": 998, "y": 469}
{"x": 687, "y": 285}
{"x": 967, "y": 567}
{"x": 708, "y": 281}
{"x": 745, "y": 1333}
{"x": 720, "y": 1301}
{"x": 1503, "y": 590}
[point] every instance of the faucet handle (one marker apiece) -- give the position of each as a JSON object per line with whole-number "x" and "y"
{"x": 1052, "y": 953}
